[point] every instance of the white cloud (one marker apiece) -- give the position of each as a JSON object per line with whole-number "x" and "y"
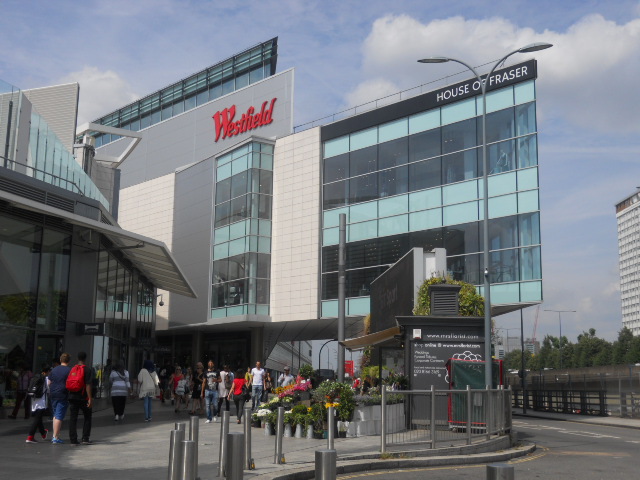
{"x": 377, "y": 88}
{"x": 100, "y": 92}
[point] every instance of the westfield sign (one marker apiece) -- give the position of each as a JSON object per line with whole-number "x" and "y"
{"x": 228, "y": 126}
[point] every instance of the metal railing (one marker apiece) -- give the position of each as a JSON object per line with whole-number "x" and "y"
{"x": 563, "y": 401}
{"x": 433, "y": 417}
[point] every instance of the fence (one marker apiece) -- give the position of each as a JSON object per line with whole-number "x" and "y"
{"x": 433, "y": 417}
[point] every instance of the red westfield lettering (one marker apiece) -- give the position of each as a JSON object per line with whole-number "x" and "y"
{"x": 226, "y": 126}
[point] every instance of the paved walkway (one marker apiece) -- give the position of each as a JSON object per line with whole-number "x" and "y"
{"x": 135, "y": 450}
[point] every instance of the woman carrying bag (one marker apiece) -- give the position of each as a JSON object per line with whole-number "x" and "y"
{"x": 238, "y": 393}
{"x": 120, "y": 388}
{"x": 148, "y": 380}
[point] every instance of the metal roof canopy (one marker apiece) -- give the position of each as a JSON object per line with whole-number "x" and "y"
{"x": 151, "y": 257}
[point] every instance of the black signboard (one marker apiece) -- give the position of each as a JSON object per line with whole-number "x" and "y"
{"x": 90, "y": 328}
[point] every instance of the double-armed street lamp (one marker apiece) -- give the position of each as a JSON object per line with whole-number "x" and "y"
{"x": 533, "y": 47}
{"x": 560, "y": 312}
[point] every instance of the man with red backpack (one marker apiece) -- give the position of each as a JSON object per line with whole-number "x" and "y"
{"x": 79, "y": 384}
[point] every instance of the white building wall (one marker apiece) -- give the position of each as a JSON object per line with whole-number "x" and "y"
{"x": 147, "y": 209}
{"x": 295, "y": 246}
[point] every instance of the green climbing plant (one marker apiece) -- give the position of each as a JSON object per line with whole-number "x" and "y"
{"x": 471, "y": 303}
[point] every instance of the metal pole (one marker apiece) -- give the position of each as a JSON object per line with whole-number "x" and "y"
{"x": 188, "y": 448}
{"x": 279, "y": 431}
{"x": 194, "y": 425}
{"x": 487, "y": 412}
{"x": 523, "y": 380}
{"x": 8, "y": 140}
{"x": 180, "y": 426}
{"x": 320, "y": 352}
{"x": 469, "y": 412}
{"x": 432, "y": 423}
{"x": 383, "y": 418}
{"x": 326, "y": 460}
{"x": 224, "y": 429}
{"x": 342, "y": 248}
{"x": 235, "y": 456}
{"x": 248, "y": 461}
{"x": 175, "y": 455}
{"x": 559, "y": 312}
{"x": 330, "y": 427}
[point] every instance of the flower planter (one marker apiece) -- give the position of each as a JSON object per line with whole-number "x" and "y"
{"x": 368, "y": 420}
{"x": 305, "y": 395}
{"x": 309, "y": 432}
{"x": 287, "y": 430}
{"x": 318, "y": 435}
{"x": 267, "y": 430}
{"x": 299, "y": 431}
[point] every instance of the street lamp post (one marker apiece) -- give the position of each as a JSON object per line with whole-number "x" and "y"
{"x": 533, "y": 47}
{"x": 559, "y": 312}
{"x": 320, "y": 352}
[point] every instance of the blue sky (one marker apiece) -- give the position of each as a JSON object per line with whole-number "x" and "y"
{"x": 349, "y": 52}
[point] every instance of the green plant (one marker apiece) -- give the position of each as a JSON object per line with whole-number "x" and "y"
{"x": 471, "y": 303}
{"x": 306, "y": 371}
{"x": 336, "y": 392}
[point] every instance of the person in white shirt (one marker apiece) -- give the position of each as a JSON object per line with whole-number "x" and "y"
{"x": 286, "y": 378}
{"x": 257, "y": 375}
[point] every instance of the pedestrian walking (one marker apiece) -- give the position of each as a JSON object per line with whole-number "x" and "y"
{"x": 80, "y": 385}
{"x": 210, "y": 392}
{"x": 24, "y": 376}
{"x": 267, "y": 385}
{"x": 196, "y": 391}
{"x": 286, "y": 379}
{"x": 257, "y": 376}
{"x": 238, "y": 392}
{"x": 120, "y": 387}
{"x": 149, "y": 382}
{"x": 59, "y": 395}
{"x": 38, "y": 392}
{"x": 188, "y": 387}
{"x": 179, "y": 384}
{"x": 224, "y": 387}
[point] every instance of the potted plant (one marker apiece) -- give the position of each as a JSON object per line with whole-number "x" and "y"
{"x": 299, "y": 414}
{"x": 306, "y": 371}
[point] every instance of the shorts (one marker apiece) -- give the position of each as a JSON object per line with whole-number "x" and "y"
{"x": 59, "y": 408}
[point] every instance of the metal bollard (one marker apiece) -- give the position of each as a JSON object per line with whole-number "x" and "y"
{"x": 248, "y": 461}
{"x": 188, "y": 448}
{"x": 235, "y": 456}
{"x": 194, "y": 427}
{"x": 224, "y": 429}
{"x": 326, "y": 464}
{"x": 331, "y": 416}
{"x": 279, "y": 432}
{"x": 180, "y": 426}
{"x": 175, "y": 455}
{"x": 500, "y": 471}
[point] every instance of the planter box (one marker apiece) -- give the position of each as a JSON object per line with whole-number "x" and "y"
{"x": 368, "y": 420}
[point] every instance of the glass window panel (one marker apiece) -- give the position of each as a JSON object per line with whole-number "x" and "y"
{"x": 361, "y": 254}
{"x": 335, "y": 194}
{"x": 526, "y": 118}
{"x": 241, "y": 151}
{"x": 330, "y": 236}
{"x": 424, "y": 145}
{"x": 236, "y": 247}
{"x": 427, "y": 240}
{"x": 425, "y": 174}
{"x": 501, "y": 184}
{"x": 331, "y": 218}
{"x": 393, "y": 153}
{"x": 392, "y": 249}
{"x": 425, "y": 219}
{"x": 218, "y": 293}
{"x": 527, "y": 151}
{"x": 222, "y": 214}
{"x": 461, "y": 213}
{"x": 238, "y": 209}
{"x": 504, "y": 266}
{"x": 363, "y": 139}
{"x": 531, "y": 291}
{"x": 501, "y": 157}
{"x": 463, "y": 238}
{"x": 363, "y": 161}
{"x": 227, "y": 86}
{"x": 220, "y": 251}
{"x": 336, "y": 168}
{"x": 500, "y": 125}
{"x": 329, "y": 287}
{"x": 330, "y": 258}
{"x": 366, "y": 211}
{"x": 224, "y": 159}
{"x": 460, "y": 166}
{"x": 252, "y": 264}
{"x": 236, "y": 294}
{"x": 215, "y": 91}
{"x": 528, "y": 201}
{"x": 465, "y": 268}
{"x": 497, "y": 100}
{"x": 266, "y": 162}
{"x": 424, "y": 121}
{"x": 458, "y": 111}
{"x": 336, "y": 146}
{"x": 503, "y": 206}
{"x": 507, "y": 293}
{"x": 178, "y": 108}
{"x": 363, "y": 188}
{"x": 425, "y": 199}
{"x": 393, "y": 206}
{"x": 202, "y": 97}
{"x": 265, "y": 207}
{"x": 237, "y": 266}
{"x": 393, "y": 225}
{"x": 359, "y": 281}
{"x": 223, "y": 172}
{"x": 254, "y": 180}
{"x": 242, "y": 80}
{"x": 525, "y": 92}
{"x": 265, "y": 228}
{"x": 262, "y": 291}
{"x": 361, "y": 231}
{"x": 237, "y": 230}
{"x": 240, "y": 164}
{"x": 459, "y": 136}
{"x": 254, "y": 206}
{"x": 393, "y": 130}
{"x": 266, "y": 148}
{"x": 239, "y": 184}
{"x": 264, "y": 245}
{"x": 529, "y": 224}
{"x": 460, "y": 192}
{"x": 251, "y": 244}
{"x": 393, "y": 181}
{"x": 503, "y": 232}
{"x": 223, "y": 190}
{"x": 358, "y": 306}
{"x": 530, "y": 264}
{"x": 221, "y": 234}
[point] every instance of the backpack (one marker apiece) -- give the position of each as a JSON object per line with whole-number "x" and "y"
{"x": 228, "y": 381}
{"x": 36, "y": 386}
{"x": 181, "y": 387}
{"x": 75, "y": 380}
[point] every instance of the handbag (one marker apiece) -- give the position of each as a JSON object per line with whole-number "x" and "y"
{"x": 246, "y": 394}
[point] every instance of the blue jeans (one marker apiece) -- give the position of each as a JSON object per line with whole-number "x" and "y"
{"x": 147, "y": 406}
{"x": 256, "y": 396}
{"x": 211, "y": 403}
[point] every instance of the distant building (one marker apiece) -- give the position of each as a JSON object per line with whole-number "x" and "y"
{"x": 628, "y": 218}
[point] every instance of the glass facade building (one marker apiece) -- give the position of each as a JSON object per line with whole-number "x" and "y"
{"x": 242, "y": 235}
{"x": 416, "y": 181}
{"x": 239, "y": 71}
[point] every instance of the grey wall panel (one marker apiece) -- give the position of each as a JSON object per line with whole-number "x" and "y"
{"x": 192, "y": 217}
{"x": 190, "y": 137}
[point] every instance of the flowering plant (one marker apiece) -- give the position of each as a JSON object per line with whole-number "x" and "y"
{"x": 286, "y": 392}
{"x": 303, "y": 386}
{"x": 263, "y": 413}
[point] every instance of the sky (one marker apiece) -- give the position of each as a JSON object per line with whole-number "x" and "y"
{"x": 347, "y": 53}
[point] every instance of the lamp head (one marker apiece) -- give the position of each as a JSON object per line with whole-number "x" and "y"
{"x": 534, "y": 47}
{"x": 434, "y": 60}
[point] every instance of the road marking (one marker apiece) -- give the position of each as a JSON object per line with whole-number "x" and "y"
{"x": 597, "y": 454}
{"x": 406, "y": 470}
{"x": 587, "y": 434}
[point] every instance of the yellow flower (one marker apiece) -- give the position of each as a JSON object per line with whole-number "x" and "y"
{"x": 309, "y": 409}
